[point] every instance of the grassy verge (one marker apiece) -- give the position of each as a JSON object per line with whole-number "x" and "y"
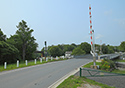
{"x": 75, "y": 81}
{"x": 23, "y": 64}
{"x": 91, "y": 63}
{"x": 98, "y": 63}
{"x": 119, "y": 71}
{"x": 118, "y": 60}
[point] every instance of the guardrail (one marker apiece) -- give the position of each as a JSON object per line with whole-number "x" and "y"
{"x": 86, "y": 72}
{"x": 108, "y": 56}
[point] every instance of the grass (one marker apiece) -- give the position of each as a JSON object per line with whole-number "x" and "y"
{"x": 118, "y": 60}
{"x": 75, "y": 81}
{"x": 91, "y": 63}
{"x": 119, "y": 71}
{"x": 23, "y": 64}
{"x": 98, "y": 63}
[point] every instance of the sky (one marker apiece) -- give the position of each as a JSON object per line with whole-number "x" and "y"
{"x": 66, "y": 21}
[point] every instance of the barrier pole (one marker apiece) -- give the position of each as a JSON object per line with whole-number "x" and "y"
{"x": 80, "y": 72}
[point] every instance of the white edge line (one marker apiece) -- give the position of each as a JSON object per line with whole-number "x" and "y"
{"x": 54, "y": 85}
{"x": 58, "y": 82}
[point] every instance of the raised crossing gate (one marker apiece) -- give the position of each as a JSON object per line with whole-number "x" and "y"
{"x": 87, "y": 72}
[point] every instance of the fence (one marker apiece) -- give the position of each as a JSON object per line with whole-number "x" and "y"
{"x": 86, "y": 72}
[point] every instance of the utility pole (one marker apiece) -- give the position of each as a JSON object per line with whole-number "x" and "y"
{"x": 92, "y": 38}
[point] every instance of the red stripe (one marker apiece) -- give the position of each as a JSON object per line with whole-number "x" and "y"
{"x": 89, "y": 7}
{"x": 89, "y": 13}
{"x": 90, "y": 32}
{"x": 90, "y": 21}
{"x": 91, "y": 43}
{"x": 91, "y": 27}
{"x": 91, "y": 37}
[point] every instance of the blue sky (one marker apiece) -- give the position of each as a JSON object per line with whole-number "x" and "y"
{"x": 66, "y": 21}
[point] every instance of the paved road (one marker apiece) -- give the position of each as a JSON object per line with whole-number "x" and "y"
{"x": 40, "y": 76}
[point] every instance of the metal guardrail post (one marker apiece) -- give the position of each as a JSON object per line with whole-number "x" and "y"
{"x": 80, "y": 72}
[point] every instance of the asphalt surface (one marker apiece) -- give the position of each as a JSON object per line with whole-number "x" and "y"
{"x": 40, "y": 76}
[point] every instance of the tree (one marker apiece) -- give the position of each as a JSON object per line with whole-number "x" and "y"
{"x": 2, "y": 36}
{"x": 31, "y": 47}
{"x": 8, "y": 53}
{"x": 104, "y": 49}
{"x": 78, "y": 51}
{"x": 122, "y": 46}
{"x": 68, "y": 48}
{"x": 55, "y": 51}
{"x": 23, "y": 40}
{"x": 110, "y": 49}
{"x": 86, "y": 47}
{"x": 73, "y": 44}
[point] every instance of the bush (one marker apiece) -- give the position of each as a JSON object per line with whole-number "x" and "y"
{"x": 107, "y": 64}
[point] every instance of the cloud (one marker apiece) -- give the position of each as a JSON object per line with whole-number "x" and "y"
{"x": 86, "y": 37}
{"x": 120, "y": 22}
{"x": 108, "y": 12}
{"x": 98, "y": 36}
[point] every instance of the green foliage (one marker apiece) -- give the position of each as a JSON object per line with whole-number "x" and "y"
{"x": 2, "y": 36}
{"x": 119, "y": 60}
{"x": 122, "y": 46}
{"x": 25, "y": 38}
{"x": 71, "y": 82}
{"x": 104, "y": 49}
{"x": 62, "y": 49}
{"x": 75, "y": 81}
{"x": 86, "y": 47}
{"x": 24, "y": 41}
{"x": 8, "y": 53}
{"x": 91, "y": 63}
{"x": 107, "y": 49}
{"x": 111, "y": 49}
{"x": 78, "y": 51}
{"x": 107, "y": 64}
{"x": 118, "y": 71}
{"x": 83, "y": 48}
{"x": 55, "y": 51}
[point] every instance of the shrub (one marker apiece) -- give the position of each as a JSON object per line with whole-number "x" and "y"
{"x": 107, "y": 64}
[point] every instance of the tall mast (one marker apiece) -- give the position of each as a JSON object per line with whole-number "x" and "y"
{"x": 92, "y": 37}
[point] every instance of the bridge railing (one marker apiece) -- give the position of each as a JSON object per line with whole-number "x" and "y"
{"x": 108, "y": 56}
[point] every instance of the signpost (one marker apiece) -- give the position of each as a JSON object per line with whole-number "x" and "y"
{"x": 45, "y": 50}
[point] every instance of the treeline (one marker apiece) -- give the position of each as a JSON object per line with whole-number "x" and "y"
{"x": 59, "y": 50}
{"x": 84, "y": 48}
{"x": 19, "y": 46}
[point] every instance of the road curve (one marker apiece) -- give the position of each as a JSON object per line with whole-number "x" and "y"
{"x": 40, "y": 76}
